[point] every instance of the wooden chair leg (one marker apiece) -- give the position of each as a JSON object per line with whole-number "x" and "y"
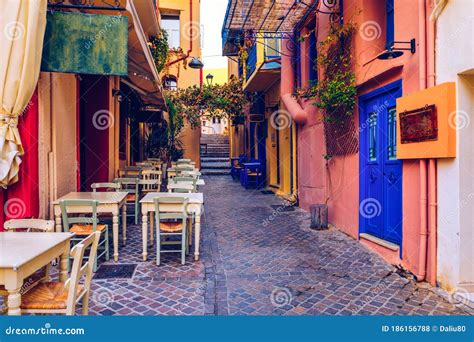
{"x": 85, "y": 304}
{"x": 158, "y": 245}
{"x": 107, "y": 244}
{"x": 183, "y": 246}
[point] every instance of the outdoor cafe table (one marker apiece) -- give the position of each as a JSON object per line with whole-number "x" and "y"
{"x": 22, "y": 254}
{"x": 109, "y": 202}
{"x": 199, "y": 182}
{"x": 195, "y": 205}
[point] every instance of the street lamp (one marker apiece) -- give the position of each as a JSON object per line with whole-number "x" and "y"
{"x": 195, "y": 63}
{"x": 209, "y": 79}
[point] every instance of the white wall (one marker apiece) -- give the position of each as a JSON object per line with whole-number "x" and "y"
{"x": 455, "y": 63}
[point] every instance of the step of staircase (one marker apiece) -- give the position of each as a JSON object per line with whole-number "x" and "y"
{"x": 215, "y": 172}
{"x": 214, "y": 159}
{"x": 215, "y": 165}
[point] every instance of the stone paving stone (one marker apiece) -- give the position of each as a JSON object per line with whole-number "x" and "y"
{"x": 260, "y": 260}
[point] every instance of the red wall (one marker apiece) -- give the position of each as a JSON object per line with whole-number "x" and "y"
{"x": 95, "y": 121}
{"x": 21, "y": 200}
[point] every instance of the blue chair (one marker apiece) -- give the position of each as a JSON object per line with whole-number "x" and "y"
{"x": 236, "y": 166}
{"x": 253, "y": 175}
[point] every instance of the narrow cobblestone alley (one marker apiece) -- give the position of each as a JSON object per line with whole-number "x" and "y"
{"x": 259, "y": 257}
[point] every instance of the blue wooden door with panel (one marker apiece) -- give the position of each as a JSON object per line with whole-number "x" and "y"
{"x": 380, "y": 207}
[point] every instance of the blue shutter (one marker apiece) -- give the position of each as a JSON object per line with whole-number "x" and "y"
{"x": 390, "y": 19}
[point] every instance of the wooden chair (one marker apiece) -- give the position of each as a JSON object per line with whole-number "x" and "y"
{"x": 105, "y": 186}
{"x": 181, "y": 187}
{"x": 130, "y": 185}
{"x": 169, "y": 223}
{"x": 187, "y": 180}
{"x": 84, "y": 225}
{"x": 29, "y": 225}
{"x": 183, "y": 161}
{"x": 56, "y": 298}
{"x": 151, "y": 181}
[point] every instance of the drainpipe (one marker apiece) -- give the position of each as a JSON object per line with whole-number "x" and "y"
{"x": 428, "y": 169}
{"x": 423, "y": 165}
{"x": 432, "y": 170}
{"x": 298, "y": 113}
{"x": 188, "y": 53}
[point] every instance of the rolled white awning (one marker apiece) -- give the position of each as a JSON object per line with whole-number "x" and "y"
{"x": 22, "y": 27}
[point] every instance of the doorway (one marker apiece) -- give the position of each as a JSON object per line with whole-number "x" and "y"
{"x": 380, "y": 203}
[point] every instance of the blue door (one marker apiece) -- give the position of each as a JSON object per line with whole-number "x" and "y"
{"x": 380, "y": 206}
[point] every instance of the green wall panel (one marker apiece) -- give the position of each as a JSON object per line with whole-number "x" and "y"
{"x": 86, "y": 44}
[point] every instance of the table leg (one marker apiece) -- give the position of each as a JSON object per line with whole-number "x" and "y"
{"x": 57, "y": 219}
{"x": 124, "y": 223}
{"x": 144, "y": 234}
{"x": 152, "y": 232}
{"x": 197, "y": 236}
{"x": 115, "y": 227}
{"x": 64, "y": 263}
{"x": 14, "y": 301}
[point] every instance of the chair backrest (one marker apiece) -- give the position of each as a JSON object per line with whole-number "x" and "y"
{"x": 151, "y": 180}
{"x": 186, "y": 180}
{"x": 29, "y": 225}
{"x": 128, "y": 184}
{"x": 181, "y": 187}
{"x": 70, "y": 217}
{"x": 80, "y": 270}
{"x": 183, "y": 161}
{"x": 179, "y": 211}
{"x": 105, "y": 186}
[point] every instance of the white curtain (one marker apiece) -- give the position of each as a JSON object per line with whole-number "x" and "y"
{"x": 22, "y": 26}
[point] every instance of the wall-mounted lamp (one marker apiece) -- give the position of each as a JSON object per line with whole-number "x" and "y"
{"x": 395, "y": 52}
{"x": 117, "y": 94}
{"x": 209, "y": 79}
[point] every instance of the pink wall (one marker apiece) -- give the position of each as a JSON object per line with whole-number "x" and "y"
{"x": 339, "y": 181}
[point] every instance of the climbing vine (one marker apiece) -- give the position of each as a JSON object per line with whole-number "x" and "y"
{"x": 335, "y": 92}
{"x": 226, "y": 100}
{"x": 159, "y": 49}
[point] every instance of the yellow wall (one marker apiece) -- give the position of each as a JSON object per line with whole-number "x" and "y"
{"x": 281, "y": 130}
{"x": 57, "y": 100}
{"x": 236, "y": 133}
{"x": 187, "y": 77}
{"x": 220, "y": 75}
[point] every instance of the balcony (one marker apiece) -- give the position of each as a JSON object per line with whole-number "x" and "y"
{"x": 262, "y": 67}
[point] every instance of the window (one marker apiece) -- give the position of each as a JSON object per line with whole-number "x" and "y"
{"x": 373, "y": 136}
{"x": 170, "y": 23}
{"x": 390, "y": 23}
{"x": 170, "y": 82}
{"x": 392, "y": 134}
{"x": 313, "y": 56}
{"x": 272, "y": 48}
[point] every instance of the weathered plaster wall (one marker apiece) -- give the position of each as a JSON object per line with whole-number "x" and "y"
{"x": 455, "y": 185}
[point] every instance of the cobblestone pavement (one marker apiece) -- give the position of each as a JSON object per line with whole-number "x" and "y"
{"x": 262, "y": 260}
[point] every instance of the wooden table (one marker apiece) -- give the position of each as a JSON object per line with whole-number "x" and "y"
{"x": 22, "y": 254}
{"x": 195, "y": 205}
{"x": 109, "y": 202}
{"x": 199, "y": 182}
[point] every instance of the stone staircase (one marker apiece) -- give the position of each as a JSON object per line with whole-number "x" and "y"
{"x": 215, "y": 154}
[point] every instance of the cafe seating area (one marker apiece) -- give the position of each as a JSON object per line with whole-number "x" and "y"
{"x": 163, "y": 199}
{"x": 249, "y": 171}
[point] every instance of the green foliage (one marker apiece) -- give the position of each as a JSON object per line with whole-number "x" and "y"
{"x": 163, "y": 141}
{"x": 335, "y": 92}
{"x": 226, "y": 100}
{"x": 159, "y": 48}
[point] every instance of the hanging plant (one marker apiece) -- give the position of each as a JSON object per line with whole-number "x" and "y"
{"x": 159, "y": 49}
